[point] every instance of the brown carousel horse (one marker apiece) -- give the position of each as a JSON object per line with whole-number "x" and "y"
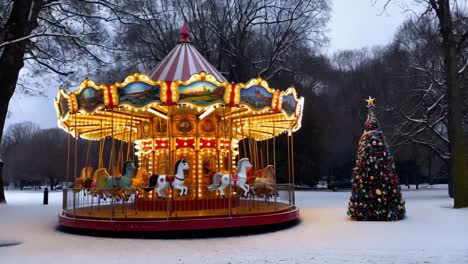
{"x": 140, "y": 181}
{"x": 85, "y": 181}
{"x": 265, "y": 185}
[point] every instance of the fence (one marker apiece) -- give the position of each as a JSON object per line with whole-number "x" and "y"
{"x": 199, "y": 202}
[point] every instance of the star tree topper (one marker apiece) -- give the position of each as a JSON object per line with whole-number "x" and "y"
{"x": 370, "y": 101}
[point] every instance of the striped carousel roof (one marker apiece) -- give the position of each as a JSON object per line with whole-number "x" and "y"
{"x": 183, "y": 61}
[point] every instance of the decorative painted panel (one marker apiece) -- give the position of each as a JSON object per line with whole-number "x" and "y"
{"x": 139, "y": 94}
{"x": 289, "y": 104}
{"x": 89, "y": 99}
{"x": 256, "y": 96}
{"x": 64, "y": 106}
{"x": 201, "y": 93}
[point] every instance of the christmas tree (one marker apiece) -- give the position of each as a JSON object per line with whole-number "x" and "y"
{"x": 376, "y": 193}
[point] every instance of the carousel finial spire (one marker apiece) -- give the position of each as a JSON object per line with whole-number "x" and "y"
{"x": 184, "y": 33}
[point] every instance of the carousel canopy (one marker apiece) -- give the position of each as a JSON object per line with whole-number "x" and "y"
{"x": 184, "y": 86}
{"x": 183, "y": 61}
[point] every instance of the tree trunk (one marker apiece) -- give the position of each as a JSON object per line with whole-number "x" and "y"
{"x": 21, "y": 22}
{"x": 455, "y": 105}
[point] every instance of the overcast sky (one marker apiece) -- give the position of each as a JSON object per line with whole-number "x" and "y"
{"x": 354, "y": 24}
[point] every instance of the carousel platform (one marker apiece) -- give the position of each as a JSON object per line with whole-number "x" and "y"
{"x": 128, "y": 218}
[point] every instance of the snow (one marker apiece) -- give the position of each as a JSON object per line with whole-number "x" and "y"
{"x": 433, "y": 232}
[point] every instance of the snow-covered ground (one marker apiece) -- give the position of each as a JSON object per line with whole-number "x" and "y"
{"x": 433, "y": 232}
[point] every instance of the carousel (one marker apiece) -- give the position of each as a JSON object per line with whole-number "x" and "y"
{"x": 189, "y": 150}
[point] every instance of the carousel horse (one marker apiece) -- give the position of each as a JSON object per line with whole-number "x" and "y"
{"x": 238, "y": 179}
{"x": 121, "y": 185}
{"x": 265, "y": 185}
{"x": 85, "y": 180}
{"x": 94, "y": 190}
{"x": 140, "y": 180}
{"x": 163, "y": 181}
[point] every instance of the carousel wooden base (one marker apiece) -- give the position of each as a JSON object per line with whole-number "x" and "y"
{"x": 185, "y": 204}
{"x": 124, "y": 220}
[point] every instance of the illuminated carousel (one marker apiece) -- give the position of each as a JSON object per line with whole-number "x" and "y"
{"x": 196, "y": 152}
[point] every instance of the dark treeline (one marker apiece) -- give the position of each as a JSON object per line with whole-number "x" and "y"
{"x": 34, "y": 156}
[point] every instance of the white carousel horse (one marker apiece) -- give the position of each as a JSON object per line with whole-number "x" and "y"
{"x": 163, "y": 181}
{"x": 239, "y": 179}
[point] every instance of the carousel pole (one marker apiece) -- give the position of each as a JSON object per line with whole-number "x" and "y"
{"x": 169, "y": 131}
{"x": 130, "y": 138}
{"x": 88, "y": 152}
{"x": 251, "y": 147}
{"x": 111, "y": 163}
{"x": 224, "y": 138}
{"x": 268, "y": 151}
{"x": 102, "y": 142}
{"x": 101, "y": 149}
{"x": 230, "y": 164}
{"x": 256, "y": 154}
{"x": 75, "y": 161}
{"x": 250, "y": 141}
{"x": 218, "y": 148}
{"x": 153, "y": 152}
{"x": 65, "y": 189}
{"x": 289, "y": 168}
{"x": 118, "y": 166}
{"x": 242, "y": 132}
{"x": 197, "y": 174}
{"x": 274, "y": 160}
{"x": 153, "y": 164}
{"x": 68, "y": 153}
{"x": 119, "y": 163}
{"x": 292, "y": 169}
{"x": 261, "y": 153}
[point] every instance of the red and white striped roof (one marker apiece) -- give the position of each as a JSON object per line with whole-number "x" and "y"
{"x": 183, "y": 61}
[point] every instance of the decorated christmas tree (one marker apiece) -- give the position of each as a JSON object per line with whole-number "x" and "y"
{"x": 376, "y": 193}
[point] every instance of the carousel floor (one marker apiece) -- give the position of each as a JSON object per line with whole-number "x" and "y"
{"x": 130, "y": 212}
{"x": 126, "y": 218}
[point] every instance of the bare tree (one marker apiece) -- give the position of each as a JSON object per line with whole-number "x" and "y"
{"x": 350, "y": 60}
{"x": 52, "y": 35}
{"x": 445, "y": 73}
{"x": 422, "y": 105}
{"x": 242, "y": 38}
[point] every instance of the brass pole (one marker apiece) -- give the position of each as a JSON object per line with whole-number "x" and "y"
{"x": 68, "y": 154}
{"x": 169, "y": 131}
{"x": 289, "y": 169}
{"x": 274, "y": 163}
{"x": 88, "y": 152}
{"x": 230, "y": 166}
{"x": 75, "y": 158}
{"x": 292, "y": 167}
{"x": 111, "y": 163}
{"x": 130, "y": 138}
{"x": 242, "y": 132}
{"x": 102, "y": 143}
{"x": 76, "y": 150}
